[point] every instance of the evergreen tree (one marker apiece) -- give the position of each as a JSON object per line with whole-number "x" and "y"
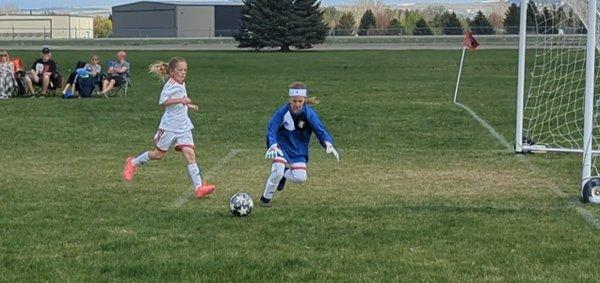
{"x": 451, "y": 24}
{"x": 307, "y": 27}
{"x": 480, "y": 24}
{"x": 512, "y": 19}
{"x": 421, "y": 28}
{"x": 346, "y": 24}
{"x": 532, "y": 16}
{"x": 547, "y": 23}
{"x": 395, "y": 27}
{"x": 281, "y": 24}
{"x": 366, "y": 22}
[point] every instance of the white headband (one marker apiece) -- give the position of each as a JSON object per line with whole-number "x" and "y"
{"x": 298, "y": 92}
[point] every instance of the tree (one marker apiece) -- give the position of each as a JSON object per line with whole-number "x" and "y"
{"x": 433, "y": 11}
{"x": 496, "y": 20}
{"x": 451, "y": 24}
{"x": 102, "y": 27}
{"x": 547, "y": 23}
{"x": 480, "y": 24}
{"x": 331, "y": 16}
{"x": 512, "y": 19}
{"x": 9, "y": 8}
{"x": 410, "y": 19}
{"x": 366, "y": 22}
{"x": 384, "y": 17}
{"x": 395, "y": 27}
{"x": 421, "y": 28}
{"x": 307, "y": 28}
{"x": 281, "y": 24}
{"x": 532, "y": 16}
{"x": 346, "y": 24}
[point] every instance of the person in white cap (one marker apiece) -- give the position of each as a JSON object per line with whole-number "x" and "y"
{"x": 288, "y": 138}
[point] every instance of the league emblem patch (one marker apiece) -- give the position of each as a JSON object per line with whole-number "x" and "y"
{"x": 301, "y": 124}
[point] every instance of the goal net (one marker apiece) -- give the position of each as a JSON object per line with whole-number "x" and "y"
{"x": 554, "y": 104}
{"x": 553, "y": 112}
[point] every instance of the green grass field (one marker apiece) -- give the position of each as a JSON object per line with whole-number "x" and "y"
{"x": 423, "y": 192}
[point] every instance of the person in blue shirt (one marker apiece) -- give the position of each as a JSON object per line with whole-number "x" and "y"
{"x": 288, "y": 138}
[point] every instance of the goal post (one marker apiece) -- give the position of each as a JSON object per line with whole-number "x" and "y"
{"x": 557, "y": 105}
{"x": 521, "y": 77}
{"x": 590, "y": 76}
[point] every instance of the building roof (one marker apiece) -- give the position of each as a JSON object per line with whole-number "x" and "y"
{"x": 189, "y": 3}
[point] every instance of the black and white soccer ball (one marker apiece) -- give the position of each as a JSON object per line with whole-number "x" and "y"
{"x": 241, "y": 204}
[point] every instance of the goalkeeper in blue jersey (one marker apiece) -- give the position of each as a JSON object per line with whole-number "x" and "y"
{"x": 288, "y": 138}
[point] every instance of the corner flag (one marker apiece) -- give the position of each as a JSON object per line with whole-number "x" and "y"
{"x": 470, "y": 41}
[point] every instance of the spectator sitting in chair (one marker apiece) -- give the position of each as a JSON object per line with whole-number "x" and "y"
{"x": 71, "y": 78}
{"x": 95, "y": 69}
{"x": 117, "y": 72}
{"x": 7, "y": 76}
{"x": 42, "y": 72}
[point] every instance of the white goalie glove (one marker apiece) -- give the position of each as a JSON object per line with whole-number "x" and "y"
{"x": 331, "y": 150}
{"x": 273, "y": 152}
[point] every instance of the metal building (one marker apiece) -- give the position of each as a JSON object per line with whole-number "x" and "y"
{"x": 176, "y": 19}
{"x": 46, "y": 26}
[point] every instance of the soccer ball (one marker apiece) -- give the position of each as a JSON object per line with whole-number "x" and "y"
{"x": 241, "y": 204}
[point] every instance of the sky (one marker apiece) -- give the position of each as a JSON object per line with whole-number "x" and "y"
{"x": 40, "y": 4}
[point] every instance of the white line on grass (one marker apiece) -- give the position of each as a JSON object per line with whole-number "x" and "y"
{"x": 189, "y": 194}
{"x": 584, "y": 212}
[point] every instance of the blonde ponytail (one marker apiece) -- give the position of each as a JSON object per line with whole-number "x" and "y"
{"x": 163, "y": 70}
{"x": 160, "y": 69}
{"x": 312, "y": 100}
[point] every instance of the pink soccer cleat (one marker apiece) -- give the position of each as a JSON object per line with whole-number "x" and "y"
{"x": 204, "y": 190}
{"x": 129, "y": 169}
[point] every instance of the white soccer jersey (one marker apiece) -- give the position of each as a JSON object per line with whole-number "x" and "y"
{"x": 175, "y": 119}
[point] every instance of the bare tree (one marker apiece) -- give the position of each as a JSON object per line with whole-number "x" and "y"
{"x": 384, "y": 17}
{"x": 496, "y": 20}
{"x": 361, "y": 6}
{"x": 433, "y": 11}
{"x": 9, "y": 8}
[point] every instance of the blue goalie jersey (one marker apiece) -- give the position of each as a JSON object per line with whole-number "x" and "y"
{"x": 292, "y": 132}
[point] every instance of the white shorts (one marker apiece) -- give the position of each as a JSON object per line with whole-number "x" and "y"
{"x": 164, "y": 140}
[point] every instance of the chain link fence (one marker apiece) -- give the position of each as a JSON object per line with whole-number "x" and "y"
{"x": 47, "y": 33}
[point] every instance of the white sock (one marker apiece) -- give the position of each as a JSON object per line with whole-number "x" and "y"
{"x": 273, "y": 180}
{"x": 142, "y": 159}
{"x": 194, "y": 172}
{"x": 288, "y": 174}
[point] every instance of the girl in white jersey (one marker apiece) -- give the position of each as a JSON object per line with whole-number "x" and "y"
{"x": 175, "y": 127}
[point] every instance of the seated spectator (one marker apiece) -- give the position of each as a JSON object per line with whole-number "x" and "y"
{"x": 117, "y": 73}
{"x": 43, "y": 72}
{"x": 7, "y": 75}
{"x": 95, "y": 70}
{"x": 94, "y": 67}
{"x": 72, "y": 75}
{"x": 82, "y": 84}
{"x": 20, "y": 75}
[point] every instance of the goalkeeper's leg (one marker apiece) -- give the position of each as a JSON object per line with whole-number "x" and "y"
{"x": 297, "y": 173}
{"x": 277, "y": 170}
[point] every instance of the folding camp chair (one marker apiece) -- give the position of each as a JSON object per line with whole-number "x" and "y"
{"x": 124, "y": 88}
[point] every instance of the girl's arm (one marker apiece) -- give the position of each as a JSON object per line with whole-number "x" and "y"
{"x": 318, "y": 127}
{"x": 273, "y": 126}
{"x": 172, "y": 101}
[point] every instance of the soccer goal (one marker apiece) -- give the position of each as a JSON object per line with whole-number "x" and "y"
{"x": 557, "y": 103}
